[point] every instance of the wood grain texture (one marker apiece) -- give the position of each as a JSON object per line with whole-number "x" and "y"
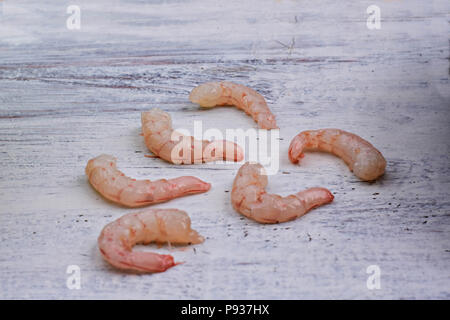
{"x": 69, "y": 95}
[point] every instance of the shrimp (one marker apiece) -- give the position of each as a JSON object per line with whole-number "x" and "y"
{"x": 159, "y": 225}
{"x": 174, "y": 147}
{"x": 212, "y": 94}
{"x": 115, "y": 186}
{"x": 250, "y": 198}
{"x": 366, "y": 162}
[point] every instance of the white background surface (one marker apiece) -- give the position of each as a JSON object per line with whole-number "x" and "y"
{"x": 68, "y": 95}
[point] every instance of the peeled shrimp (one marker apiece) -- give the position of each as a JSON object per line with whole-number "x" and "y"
{"x": 366, "y": 162}
{"x": 153, "y": 225}
{"x": 250, "y": 198}
{"x": 174, "y": 147}
{"x": 212, "y": 94}
{"x": 115, "y": 186}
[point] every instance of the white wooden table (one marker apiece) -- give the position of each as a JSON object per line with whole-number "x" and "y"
{"x": 69, "y": 95}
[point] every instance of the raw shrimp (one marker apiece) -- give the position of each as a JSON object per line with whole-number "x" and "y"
{"x": 159, "y": 225}
{"x": 115, "y": 186}
{"x": 174, "y": 147}
{"x": 212, "y": 94}
{"x": 250, "y": 198}
{"x": 366, "y": 162}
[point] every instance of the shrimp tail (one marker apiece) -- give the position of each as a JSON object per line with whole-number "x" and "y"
{"x": 314, "y": 197}
{"x": 138, "y": 261}
{"x": 187, "y": 185}
{"x": 151, "y": 262}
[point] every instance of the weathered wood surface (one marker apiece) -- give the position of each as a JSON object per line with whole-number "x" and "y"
{"x": 69, "y": 95}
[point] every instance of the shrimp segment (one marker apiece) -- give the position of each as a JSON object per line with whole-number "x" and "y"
{"x": 212, "y": 94}
{"x": 153, "y": 225}
{"x": 176, "y": 148}
{"x": 115, "y": 186}
{"x": 366, "y": 162}
{"x": 250, "y": 198}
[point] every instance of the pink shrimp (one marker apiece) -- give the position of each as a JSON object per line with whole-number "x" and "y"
{"x": 174, "y": 147}
{"x": 153, "y": 225}
{"x": 212, "y": 94}
{"x": 250, "y": 198}
{"x": 363, "y": 159}
{"x": 115, "y": 186}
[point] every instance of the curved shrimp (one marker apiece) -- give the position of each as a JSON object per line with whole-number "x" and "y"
{"x": 366, "y": 162}
{"x": 115, "y": 186}
{"x": 250, "y": 198}
{"x": 153, "y": 225}
{"x": 174, "y": 147}
{"x": 212, "y": 94}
